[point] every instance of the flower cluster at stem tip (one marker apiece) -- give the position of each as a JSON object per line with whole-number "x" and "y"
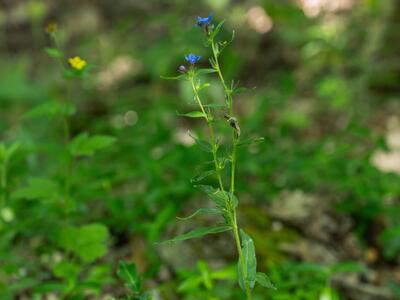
{"x": 192, "y": 59}
{"x": 205, "y": 23}
{"x": 77, "y": 63}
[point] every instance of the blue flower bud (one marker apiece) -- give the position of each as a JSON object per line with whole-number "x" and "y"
{"x": 192, "y": 59}
{"x": 204, "y": 21}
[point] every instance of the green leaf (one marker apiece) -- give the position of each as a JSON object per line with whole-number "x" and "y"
{"x": 250, "y": 262}
{"x": 179, "y": 77}
{"x": 51, "y": 109}
{"x": 263, "y": 280}
{"x": 202, "y": 212}
{"x": 193, "y": 114}
{"x": 217, "y": 196}
{"x": 83, "y": 145}
{"x": 202, "y": 175}
{"x": 390, "y": 239}
{"x": 7, "y": 152}
{"x": 217, "y": 29}
{"x": 205, "y": 71}
{"x": 198, "y": 232}
{"x": 66, "y": 270}
{"x": 252, "y": 141}
{"x": 128, "y": 273}
{"x": 53, "y": 52}
{"x": 38, "y": 188}
{"x": 88, "y": 242}
{"x": 204, "y": 145}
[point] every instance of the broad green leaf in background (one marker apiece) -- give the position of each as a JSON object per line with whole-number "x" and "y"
{"x": 53, "y": 52}
{"x": 390, "y": 239}
{"x": 7, "y": 152}
{"x": 38, "y": 188}
{"x": 85, "y": 145}
{"x": 198, "y": 232}
{"x": 51, "y": 109}
{"x": 88, "y": 242}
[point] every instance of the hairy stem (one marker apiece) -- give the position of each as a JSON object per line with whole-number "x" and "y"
{"x": 229, "y": 102}
{"x": 212, "y": 134}
{"x": 231, "y": 209}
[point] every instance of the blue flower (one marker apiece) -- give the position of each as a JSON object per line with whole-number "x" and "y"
{"x": 204, "y": 21}
{"x": 192, "y": 59}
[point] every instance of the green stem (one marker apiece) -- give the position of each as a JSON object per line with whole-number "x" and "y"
{"x": 212, "y": 134}
{"x": 3, "y": 184}
{"x": 231, "y": 209}
{"x": 67, "y": 131}
{"x": 235, "y": 227}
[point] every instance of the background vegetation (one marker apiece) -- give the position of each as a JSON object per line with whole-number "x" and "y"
{"x": 320, "y": 194}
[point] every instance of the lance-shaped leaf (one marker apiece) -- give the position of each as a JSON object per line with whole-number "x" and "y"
{"x": 263, "y": 280}
{"x": 217, "y": 29}
{"x": 179, "y": 77}
{"x": 202, "y": 175}
{"x": 193, "y": 114}
{"x": 204, "y": 145}
{"x": 128, "y": 273}
{"x": 205, "y": 71}
{"x": 217, "y": 196}
{"x": 251, "y": 141}
{"x": 198, "y": 232}
{"x": 250, "y": 262}
{"x": 202, "y": 212}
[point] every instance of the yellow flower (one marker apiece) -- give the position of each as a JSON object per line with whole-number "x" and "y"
{"x": 51, "y": 27}
{"x": 77, "y": 62}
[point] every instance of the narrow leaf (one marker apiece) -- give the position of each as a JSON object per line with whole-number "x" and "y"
{"x": 252, "y": 141}
{"x": 193, "y": 114}
{"x": 217, "y": 29}
{"x": 202, "y": 175}
{"x": 205, "y": 71}
{"x": 179, "y": 77}
{"x": 198, "y": 232}
{"x": 204, "y": 145}
{"x": 128, "y": 273}
{"x": 202, "y": 212}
